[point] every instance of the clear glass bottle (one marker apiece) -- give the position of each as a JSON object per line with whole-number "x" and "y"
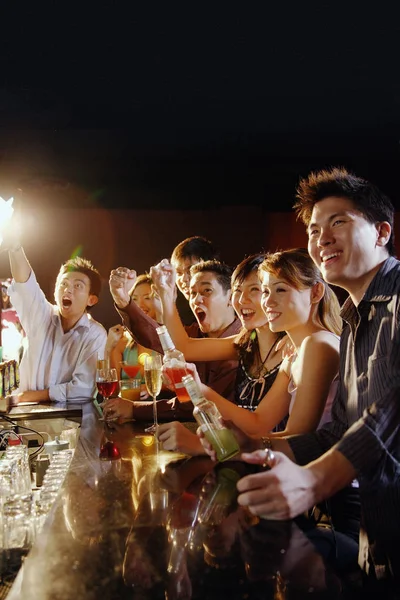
{"x": 175, "y": 364}
{"x": 208, "y": 417}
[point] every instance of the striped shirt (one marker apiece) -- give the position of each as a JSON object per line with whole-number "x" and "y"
{"x": 365, "y": 423}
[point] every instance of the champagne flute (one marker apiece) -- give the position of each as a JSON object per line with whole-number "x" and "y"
{"x": 153, "y": 379}
{"x": 103, "y": 360}
{"x": 107, "y": 383}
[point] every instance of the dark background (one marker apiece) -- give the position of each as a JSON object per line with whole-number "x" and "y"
{"x": 162, "y": 104}
{"x": 125, "y": 127}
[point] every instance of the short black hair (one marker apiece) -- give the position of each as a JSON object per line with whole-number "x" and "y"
{"x": 83, "y": 265}
{"x": 196, "y": 246}
{"x": 367, "y": 198}
{"x": 222, "y": 271}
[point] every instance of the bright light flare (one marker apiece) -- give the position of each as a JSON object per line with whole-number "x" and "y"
{"x": 6, "y": 213}
{"x": 12, "y": 340}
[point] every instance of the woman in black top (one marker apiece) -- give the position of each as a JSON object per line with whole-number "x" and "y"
{"x": 257, "y": 368}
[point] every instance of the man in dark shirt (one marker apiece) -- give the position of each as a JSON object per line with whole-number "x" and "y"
{"x": 187, "y": 253}
{"x": 350, "y": 237}
{"x": 210, "y": 301}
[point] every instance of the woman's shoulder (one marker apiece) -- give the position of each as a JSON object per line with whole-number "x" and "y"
{"x": 320, "y": 339}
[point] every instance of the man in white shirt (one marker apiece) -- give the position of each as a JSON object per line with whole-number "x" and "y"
{"x": 59, "y": 362}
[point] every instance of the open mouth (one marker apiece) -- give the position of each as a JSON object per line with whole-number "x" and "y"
{"x": 328, "y": 258}
{"x": 201, "y": 315}
{"x": 66, "y": 302}
{"x": 247, "y": 313}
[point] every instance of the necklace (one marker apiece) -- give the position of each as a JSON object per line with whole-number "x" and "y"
{"x": 263, "y": 369}
{"x": 249, "y": 390}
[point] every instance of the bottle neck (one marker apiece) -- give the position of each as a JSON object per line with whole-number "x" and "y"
{"x": 197, "y": 400}
{"x": 194, "y": 393}
{"x": 166, "y": 342}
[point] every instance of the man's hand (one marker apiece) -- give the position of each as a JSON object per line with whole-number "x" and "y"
{"x": 121, "y": 282}
{"x": 117, "y": 408}
{"x": 163, "y": 276}
{"x": 176, "y": 437}
{"x": 283, "y": 492}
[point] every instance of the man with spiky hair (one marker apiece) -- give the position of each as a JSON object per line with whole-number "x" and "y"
{"x": 187, "y": 253}
{"x": 210, "y": 301}
{"x": 59, "y": 362}
{"x": 350, "y": 238}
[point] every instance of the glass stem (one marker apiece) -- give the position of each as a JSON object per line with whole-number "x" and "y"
{"x": 155, "y": 411}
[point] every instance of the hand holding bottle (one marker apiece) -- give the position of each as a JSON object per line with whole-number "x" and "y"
{"x": 246, "y": 443}
{"x": 174, "y": 365}
{"x": 189, "y": 369}
{"x": 207, "y": 415}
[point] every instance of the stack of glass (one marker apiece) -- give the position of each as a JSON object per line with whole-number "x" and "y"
{"x": 52, "y": 482}
{"x": 17, "y": 507}
{"x": 23, "y": 512}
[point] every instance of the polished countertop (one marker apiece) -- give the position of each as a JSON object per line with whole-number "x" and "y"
{"x": 134, "y": 521}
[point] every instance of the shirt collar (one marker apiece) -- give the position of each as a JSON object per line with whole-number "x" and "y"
{"x": 83, "y": 321}
{"x": 381, "y": 288}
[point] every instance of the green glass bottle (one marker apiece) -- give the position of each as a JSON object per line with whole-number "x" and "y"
{"x": 208, "y": 417}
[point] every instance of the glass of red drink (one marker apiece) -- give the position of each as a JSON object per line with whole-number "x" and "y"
{"x": 130, "y": 369}
{"x": 107, "y": 382}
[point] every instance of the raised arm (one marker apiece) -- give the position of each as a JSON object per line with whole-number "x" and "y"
{"x": 11, "y": 241}
{"x": 142, "y": 327}
{"x": 194, "y": 349}
{"x": 19, "y": 264}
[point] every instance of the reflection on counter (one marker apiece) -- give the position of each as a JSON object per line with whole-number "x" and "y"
{"x": 144, "y": 523}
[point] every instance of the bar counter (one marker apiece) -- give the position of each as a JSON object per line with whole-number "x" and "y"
{"x": 145, "y": 523}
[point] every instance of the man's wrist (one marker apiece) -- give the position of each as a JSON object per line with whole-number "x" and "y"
{"x": 124, "y": 305}
{"x": 330, "y": 473}
{"x": 166, "y": 293}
